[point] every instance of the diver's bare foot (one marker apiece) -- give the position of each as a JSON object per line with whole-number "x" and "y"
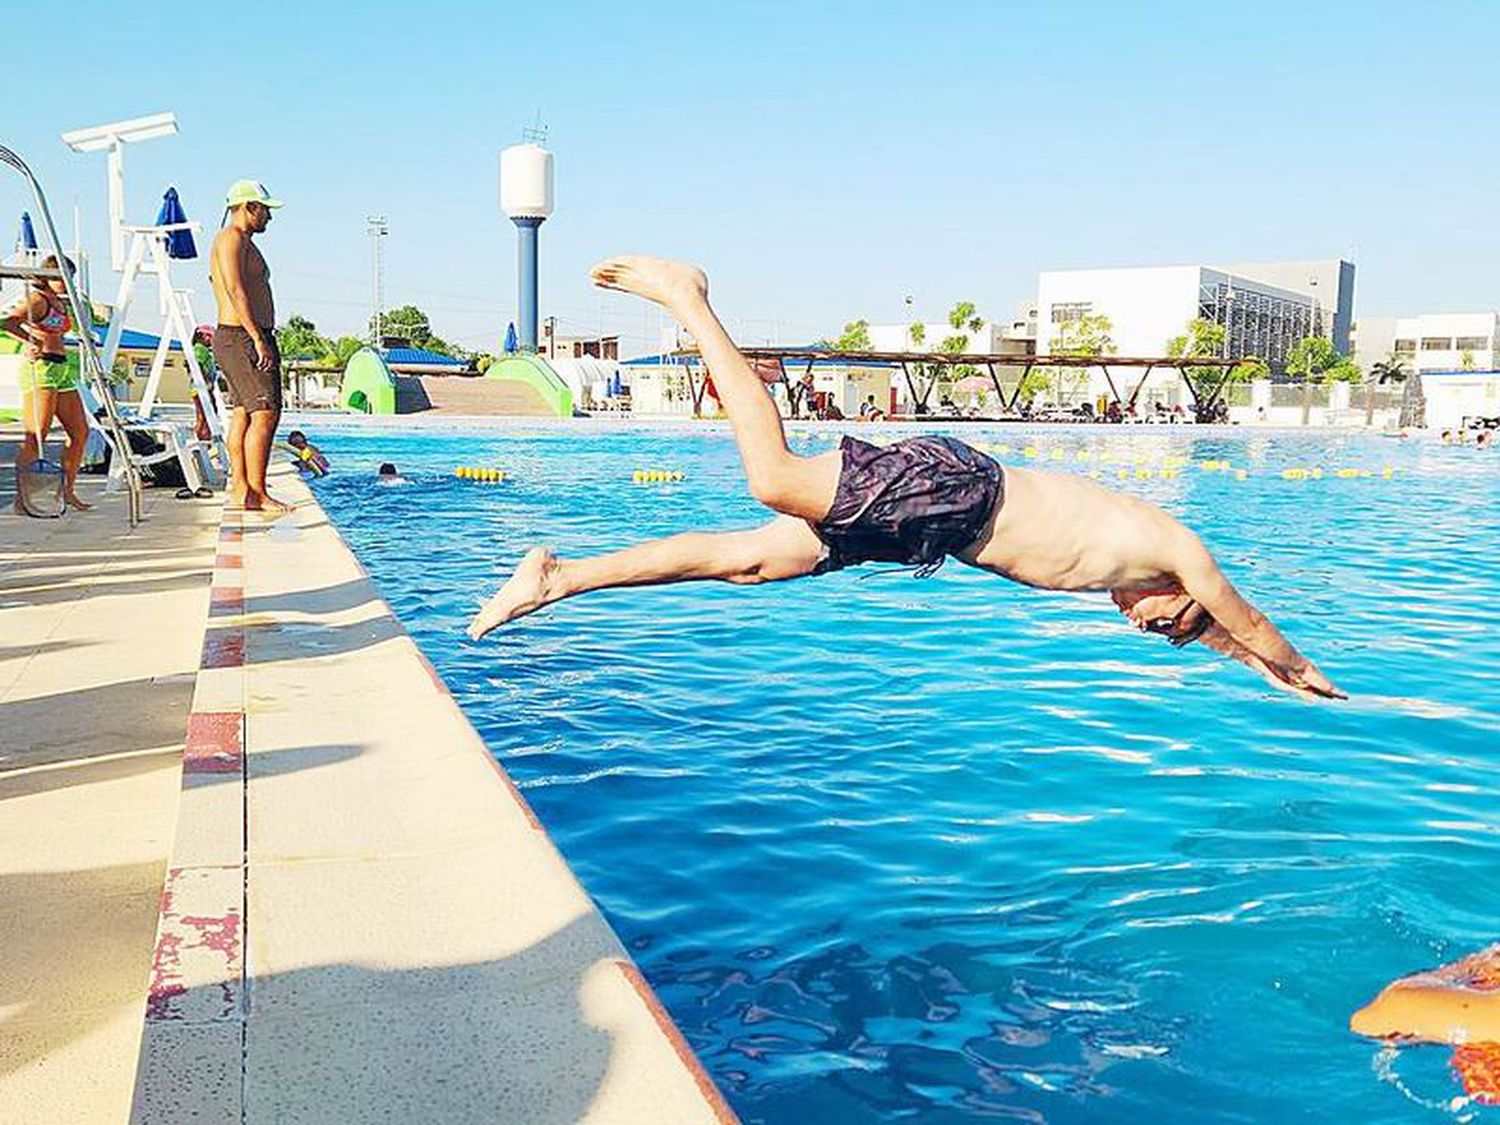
{"x": 671, "y": 284}
{"x": 526, "y": 591}
{"x": 73, "y": 501}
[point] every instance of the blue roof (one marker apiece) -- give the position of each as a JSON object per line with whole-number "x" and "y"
{"x": 663, "y": 359}
{"x": 421, "y": 355}
{"x": 130, "y": 340}
{"x": 791, "y": 362}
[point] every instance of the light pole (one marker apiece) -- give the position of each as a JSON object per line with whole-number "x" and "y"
{"x": 1312, "y": 284}
{"x": 376, "y": 229}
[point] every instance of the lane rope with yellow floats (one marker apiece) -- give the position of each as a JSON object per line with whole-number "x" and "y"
{"x": 1147, "y": 466}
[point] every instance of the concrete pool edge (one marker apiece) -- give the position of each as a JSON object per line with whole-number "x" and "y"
{"x": 340, "y": 868}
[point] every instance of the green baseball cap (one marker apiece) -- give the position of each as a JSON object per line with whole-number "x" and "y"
{"x": 249, "y": 191}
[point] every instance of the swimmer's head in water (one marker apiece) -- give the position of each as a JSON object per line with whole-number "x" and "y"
{"x": 388, "y": 470}
{"x": 297, "y": 439}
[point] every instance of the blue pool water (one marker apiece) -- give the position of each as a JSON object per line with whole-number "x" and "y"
{"x": 947, "y": 849}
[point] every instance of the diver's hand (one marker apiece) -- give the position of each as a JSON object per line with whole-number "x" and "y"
{"x": 1305, "y": 681}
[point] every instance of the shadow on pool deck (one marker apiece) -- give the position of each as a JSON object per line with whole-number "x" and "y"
{"x": 521, "y": 1038}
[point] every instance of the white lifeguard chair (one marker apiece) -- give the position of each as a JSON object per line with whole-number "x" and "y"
{"x": 136, "y": 250}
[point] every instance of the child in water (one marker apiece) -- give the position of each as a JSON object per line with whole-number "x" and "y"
{"x": 309, "y": 457}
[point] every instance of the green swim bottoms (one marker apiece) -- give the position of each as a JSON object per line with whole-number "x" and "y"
{"x": 49, "y": 373}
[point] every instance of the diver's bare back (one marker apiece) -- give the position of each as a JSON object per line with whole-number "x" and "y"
{"x": 1062, "y": 532}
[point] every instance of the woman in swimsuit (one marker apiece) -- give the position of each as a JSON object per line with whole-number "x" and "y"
{"x": 49, "y": 384}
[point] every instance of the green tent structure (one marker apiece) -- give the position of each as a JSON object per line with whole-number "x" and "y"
{"x": 368, "y": 385}
{"x": 529, "y": 370}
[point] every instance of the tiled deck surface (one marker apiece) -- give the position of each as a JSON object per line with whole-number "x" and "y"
{"x": 361, "y": 919}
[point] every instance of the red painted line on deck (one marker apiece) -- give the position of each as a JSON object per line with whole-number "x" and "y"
{"x": 223, "y": 648}
{"x": 227, "y": 599}
{"x": 673, "y": 1033}
{"x": 218, "y": 935}
{"x": 225, "y": 561}
{"x": 215, "y": 742}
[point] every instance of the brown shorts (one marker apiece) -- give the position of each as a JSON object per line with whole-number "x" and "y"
{"x": 915, "y": 502}
{"x": 249, "y": 386}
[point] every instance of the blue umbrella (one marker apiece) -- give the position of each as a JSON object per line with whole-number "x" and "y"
{"x": 511, "y": 343}
{"x": 179, "y": 242}
{"x": 26, "y": 236}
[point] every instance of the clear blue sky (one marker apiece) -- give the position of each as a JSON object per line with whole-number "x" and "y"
{"x": 821, "y": 160}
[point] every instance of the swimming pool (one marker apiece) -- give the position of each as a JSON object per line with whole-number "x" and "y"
{"x": 945, "y": 849}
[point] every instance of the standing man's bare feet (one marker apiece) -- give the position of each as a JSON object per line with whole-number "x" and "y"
{"x": 669, "y": 284}
{"x": 73, "y": 501}
{"x": 526, "y": 591}
{"x": 264, "y": 502}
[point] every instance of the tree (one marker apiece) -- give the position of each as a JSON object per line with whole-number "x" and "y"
{"x": 345, "y": 347}
{"x": 410, "y": 323}
{"x": 964, "y": 321}
{"x": 854, "y": 338}
{"x": 1317, "y": 361}
{"x": 299, "y": 338}
{"x": 1086, "y": 335}
{"x": 1391, "y": 369}
{"x": 1205, "y": 339}
{"x": 1249, "y": 369}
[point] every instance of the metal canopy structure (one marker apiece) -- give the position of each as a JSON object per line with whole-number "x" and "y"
{"x": 929, "y": 364}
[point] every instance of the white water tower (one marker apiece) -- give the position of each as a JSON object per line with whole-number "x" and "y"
{"x": 526, "y": 197}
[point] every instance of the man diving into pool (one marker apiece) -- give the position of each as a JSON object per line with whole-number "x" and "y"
{"x": 915, "y": 502}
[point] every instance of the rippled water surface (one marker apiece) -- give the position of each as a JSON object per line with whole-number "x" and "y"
{"x": 946, "y": 849}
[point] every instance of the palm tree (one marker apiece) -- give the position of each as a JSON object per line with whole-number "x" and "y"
{"x": 1391, "y": 369}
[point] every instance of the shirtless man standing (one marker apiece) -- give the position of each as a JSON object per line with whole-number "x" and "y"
{"x": 915, "y": 502}
{"x": 245, "y": 344}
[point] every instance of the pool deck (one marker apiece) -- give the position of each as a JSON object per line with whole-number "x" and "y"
{"x": 255, "y": 864}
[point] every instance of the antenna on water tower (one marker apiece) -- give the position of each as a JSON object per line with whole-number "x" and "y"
{"x": 526, "y": 198}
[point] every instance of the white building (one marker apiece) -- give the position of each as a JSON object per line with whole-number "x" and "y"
{"x": 1266, "y": 307}
{"x": 1454, "y": 353}
{"x": 1431, "y": 342}
{"x": 993, "y": 337}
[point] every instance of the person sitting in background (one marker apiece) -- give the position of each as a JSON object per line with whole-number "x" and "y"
{"x": 309, "y": 457}
{"x": 203, "y": 352}
{"x": 869, "y": 412}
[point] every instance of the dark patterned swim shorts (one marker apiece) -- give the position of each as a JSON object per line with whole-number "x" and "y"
{"x": 915, "y": 502}
{"x": 249, "y": 386}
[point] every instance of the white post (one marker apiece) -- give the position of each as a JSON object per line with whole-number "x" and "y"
{"x": 116, "y": 205}
{"x": 122, "y": 302}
